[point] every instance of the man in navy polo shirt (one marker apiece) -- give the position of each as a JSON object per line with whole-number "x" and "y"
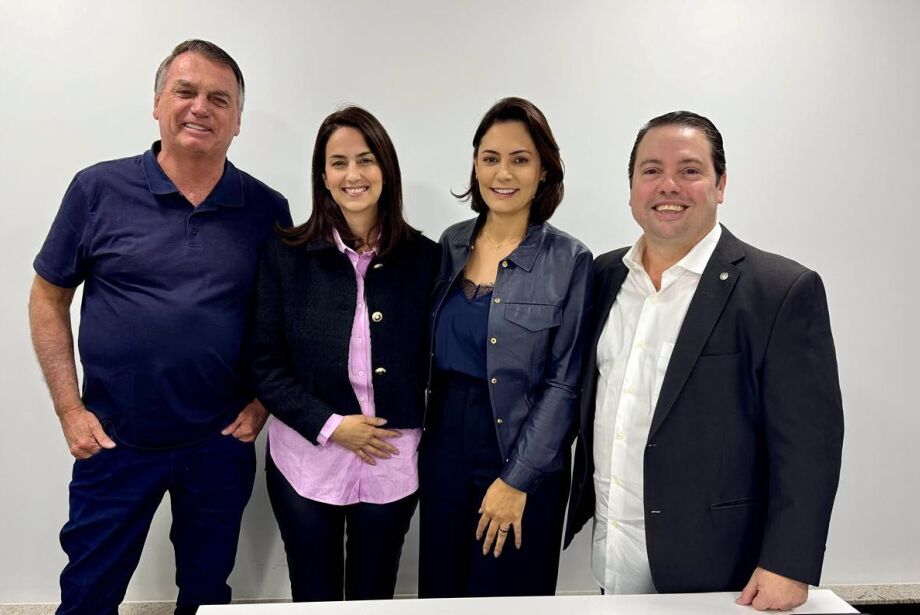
{"x": 165, "y": 245}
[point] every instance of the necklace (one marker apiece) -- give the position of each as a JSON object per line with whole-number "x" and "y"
{"x": 499, "y": 246}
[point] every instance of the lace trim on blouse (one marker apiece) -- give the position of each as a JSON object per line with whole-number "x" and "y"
{"x": 474, "y": 291}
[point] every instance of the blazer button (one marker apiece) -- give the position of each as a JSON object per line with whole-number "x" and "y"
{"x": 493, "y": 340}
{"x": 378, "y": 265}
{"x": 499, "y": 421}
{"x": 494, "y": 381}
{"x": 505, "y": 264}
{"x": 380, "y": 371}
{"x": 497, "y": 300}
{"x": 377, "y": 316}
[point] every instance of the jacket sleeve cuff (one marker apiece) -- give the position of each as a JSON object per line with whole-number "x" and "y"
{"x": 521, "y": 476}
{"x": 330, "y": 426}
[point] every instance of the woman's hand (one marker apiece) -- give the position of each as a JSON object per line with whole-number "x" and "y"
{"x": 363, "y": 435}
{"x": 502, "y": 509}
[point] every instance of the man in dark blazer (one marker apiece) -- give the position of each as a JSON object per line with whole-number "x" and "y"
{"x": 711, "y": 419}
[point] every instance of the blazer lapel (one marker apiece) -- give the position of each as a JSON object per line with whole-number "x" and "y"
{"x": 607, "y": 289}
{"x": 715, "y": 287}
{"x": 609, "y": 281}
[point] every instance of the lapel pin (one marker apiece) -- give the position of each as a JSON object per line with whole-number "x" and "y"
{"x": 723, "y": 276}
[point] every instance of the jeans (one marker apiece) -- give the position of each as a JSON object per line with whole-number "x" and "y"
{"x": 113, "y": 497}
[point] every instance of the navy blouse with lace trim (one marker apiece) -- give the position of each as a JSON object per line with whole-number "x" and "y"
{"x": 463, "y": 324}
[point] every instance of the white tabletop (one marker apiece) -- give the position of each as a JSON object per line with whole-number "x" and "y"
{"x": 819, "y": 601}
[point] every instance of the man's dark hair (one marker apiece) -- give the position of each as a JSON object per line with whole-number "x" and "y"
{"x": 208, "y": 50}
{"x": 690, "y": 120}
{"x": 327, "y": 215}
{"x": 550, "y": 190}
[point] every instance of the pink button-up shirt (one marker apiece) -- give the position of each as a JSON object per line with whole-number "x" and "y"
{"x": 331, "y": 473}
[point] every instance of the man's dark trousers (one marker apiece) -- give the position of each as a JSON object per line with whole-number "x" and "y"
{"x": 113, "y": 497}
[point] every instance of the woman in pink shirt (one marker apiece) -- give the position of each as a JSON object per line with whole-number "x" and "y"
{"x": 339, "y": 357}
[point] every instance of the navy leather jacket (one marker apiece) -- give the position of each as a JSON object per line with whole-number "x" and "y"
{"x": 537, "y": 319}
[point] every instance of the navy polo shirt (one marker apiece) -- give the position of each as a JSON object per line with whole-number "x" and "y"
{"x": 166, "y": 289}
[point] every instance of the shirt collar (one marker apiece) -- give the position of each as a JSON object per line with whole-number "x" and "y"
{"x": 526, "y": 253}
{"x": 522, "y": 256}
{"x": 228, "y": 191}
{"x": 340, "y": 245}
{"x": 695, "y": 260}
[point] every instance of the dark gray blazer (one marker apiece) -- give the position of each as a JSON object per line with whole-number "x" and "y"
{"x": 743, "y": 456}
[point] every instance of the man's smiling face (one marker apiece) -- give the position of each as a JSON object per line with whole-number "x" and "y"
{"x": 198, "y": 108}
{"x": 675, "y": 194}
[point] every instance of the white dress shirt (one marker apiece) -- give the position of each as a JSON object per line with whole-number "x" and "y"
{"x": 632, "y": 357}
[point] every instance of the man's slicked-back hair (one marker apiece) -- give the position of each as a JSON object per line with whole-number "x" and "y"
{"x": 690, "y": 120}
{"x": 208, "y": 50}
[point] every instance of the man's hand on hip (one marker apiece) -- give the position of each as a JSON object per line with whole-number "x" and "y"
{"x": 83, "y": 432}
{"x": 248, "y": 423}
{"x": 768, "y": 590}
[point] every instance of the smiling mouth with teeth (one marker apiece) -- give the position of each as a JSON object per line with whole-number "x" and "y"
{"x": 196, "y": 127}
{"x": 504, "y": 191}
{"x": 356, "y": 191}
{"x": 670, "y": 207}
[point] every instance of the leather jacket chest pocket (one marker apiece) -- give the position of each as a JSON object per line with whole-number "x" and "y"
{"x": 527, "y": 336}
{"x": 533, "y": 316}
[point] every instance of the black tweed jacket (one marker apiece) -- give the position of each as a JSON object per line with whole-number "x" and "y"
{"x": 304, "y": 311}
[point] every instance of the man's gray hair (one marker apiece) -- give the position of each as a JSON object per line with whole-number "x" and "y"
{"x": 208, "y": 50}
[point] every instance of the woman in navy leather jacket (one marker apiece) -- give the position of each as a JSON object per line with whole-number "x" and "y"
{"x": 510, "y": 310}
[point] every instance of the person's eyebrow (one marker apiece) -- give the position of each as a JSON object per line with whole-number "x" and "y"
{"x": 517, "y": 151}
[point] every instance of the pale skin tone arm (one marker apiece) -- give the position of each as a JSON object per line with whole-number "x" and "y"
{"x": 769, "y": 591}
{"x": 52, "y": 337}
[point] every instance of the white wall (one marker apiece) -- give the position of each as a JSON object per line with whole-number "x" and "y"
{"x": 809, "y": 96}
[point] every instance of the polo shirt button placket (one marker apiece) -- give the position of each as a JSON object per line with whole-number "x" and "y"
{"x": 193, "y": 231}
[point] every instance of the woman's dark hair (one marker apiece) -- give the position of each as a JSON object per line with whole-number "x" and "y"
{"x": 549, "y": 192}
{"x": 327, "y": 215}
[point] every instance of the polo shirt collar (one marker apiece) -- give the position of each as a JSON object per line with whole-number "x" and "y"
{"x": 228, "y": 192}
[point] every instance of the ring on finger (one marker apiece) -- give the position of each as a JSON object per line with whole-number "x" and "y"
{"x": 503, "y": 530}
